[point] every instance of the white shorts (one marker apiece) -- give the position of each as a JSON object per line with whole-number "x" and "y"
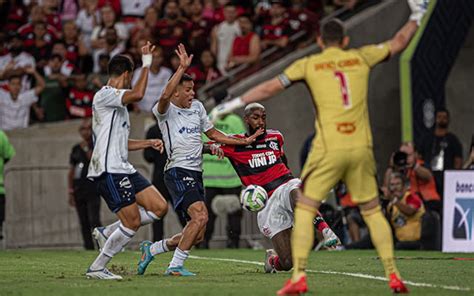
{"x": 278, "y": 214}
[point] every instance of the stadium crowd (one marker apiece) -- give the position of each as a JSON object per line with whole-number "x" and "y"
{"x": 69, "y": 43}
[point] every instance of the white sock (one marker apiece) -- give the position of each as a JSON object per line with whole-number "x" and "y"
{"x": 147, "y": 217}
{"x": 109, "y": 229}
{"x": 159, "y": 247}
{"x": 179, "y": 257}
{"x": 114, "y": 244}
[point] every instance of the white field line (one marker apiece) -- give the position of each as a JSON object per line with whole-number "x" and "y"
{"x": 359, "y": 275}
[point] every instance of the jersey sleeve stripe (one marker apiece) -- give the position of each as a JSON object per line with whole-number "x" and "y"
{"x": 108, "y": 140}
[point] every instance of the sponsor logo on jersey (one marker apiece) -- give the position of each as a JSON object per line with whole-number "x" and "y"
{"x": 346, "y": 127}
{"x": 189, "y": 130}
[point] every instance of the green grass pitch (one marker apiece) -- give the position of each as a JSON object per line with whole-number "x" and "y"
{"x": 62, "y": 273}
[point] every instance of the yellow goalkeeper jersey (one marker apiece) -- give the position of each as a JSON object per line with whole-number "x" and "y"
{"x": 338, "y": 80}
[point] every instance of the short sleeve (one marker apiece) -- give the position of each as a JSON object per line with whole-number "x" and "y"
{"x": 110, "y": 97}
{"x": 294, "y": 72}
{"x": 29, "y": 97}
{"x": 6, "y": 148}
{"x": 158, "y": 115}
{"x": 374, "y": 54}
{"x": 205, "y": 122}
{"x": 228, "y": 150}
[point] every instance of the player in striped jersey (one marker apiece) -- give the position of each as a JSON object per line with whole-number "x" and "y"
{"x": 264, "y": 163}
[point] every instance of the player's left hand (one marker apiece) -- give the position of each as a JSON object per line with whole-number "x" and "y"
{"x": 184, "y": 59}
{"x": 253, "y": 137}
{"x": 147, "y": 54}
{"x": 217, "y": 151}
{"x": 157, "y": 144}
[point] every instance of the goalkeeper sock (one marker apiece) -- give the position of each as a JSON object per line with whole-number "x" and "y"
{"x": 381, "y": 236}
{"x": 159, "y": 247}
{"x": 302, "y": 238}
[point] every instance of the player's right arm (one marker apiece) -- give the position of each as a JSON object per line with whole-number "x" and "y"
{"x": 184, "y": 62}
{"x": 403, "y": 37}
{"x": 138, "y": 91}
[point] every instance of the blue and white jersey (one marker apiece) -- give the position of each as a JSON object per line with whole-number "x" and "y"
{"x": 181, "y": 129}
{"x": 111, "y": 128}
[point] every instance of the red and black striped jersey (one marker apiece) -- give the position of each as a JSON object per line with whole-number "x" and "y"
{"x": 261, "y": 162}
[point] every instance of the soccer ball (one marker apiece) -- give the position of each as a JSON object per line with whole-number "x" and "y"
{"x": 253, "y": 198}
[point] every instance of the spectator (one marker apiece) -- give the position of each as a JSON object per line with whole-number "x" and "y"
{"x": 96, "y": 81}
{"x": 303, "y": 19}
{"x": 53, "y": 97}
{"x": 146, "y": 29}
{"x": 75, "y": 47}
{"x": 206, "y": 71}
{"x": 112, "y": 47}
{"x": 134, "y": 11}
{"x": 59, "y": 48}
{"x": 68, "y": 10}
{"x": 220, "y": 178}
{"x": 15, "y": 15}
{"x": 39, "y": 44}
{"x": 15, "y": 104}
{"x": 108, "y": 17}
{"x": 405, "y": 212}
{"x": 422, "y": 182}
{"x": 37, "y": 15}
{"x": 200, "y": 28}
{"x": 159, "y": 161}
{"x": 246, "y": 46}
{"x": 86, "y": 20}
{"x": 185, "y": 7}
{"x": 223, "y": 36}
{"x": 51, "y": 11}
{"x": 6, "y": 153}
{"x": 158, "y": 76}
{"x": 15, "y": 62}
{"x": 82, "y": 191}
{"x": 171, "y": 30}
{"x": 79, "y": 99}
{"x": 114, "y": 4}
{"x": 276, "y": 30}
{"x": 441, "y": 150}
{"x": 469, "y": 165}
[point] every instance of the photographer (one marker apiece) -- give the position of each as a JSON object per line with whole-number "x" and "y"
{"x": 405, "y": 211}
{"x": 421, "y": 179}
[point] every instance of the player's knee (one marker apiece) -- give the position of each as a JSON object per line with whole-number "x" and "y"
{"x": 132, "y": 223}
{"x": 286, "y": 263}
{"x": 201, "y": 218}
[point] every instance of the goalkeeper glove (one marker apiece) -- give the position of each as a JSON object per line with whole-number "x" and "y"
{"x": 418, "y": 9}
{"x": 225, "y": 108}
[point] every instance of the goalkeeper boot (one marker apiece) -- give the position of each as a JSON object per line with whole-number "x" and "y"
{"x": 297, "y": 288}
{"x": 146, "y": 257}
{"x": 396, "y": 285}
{"x": 269, "y": 256}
